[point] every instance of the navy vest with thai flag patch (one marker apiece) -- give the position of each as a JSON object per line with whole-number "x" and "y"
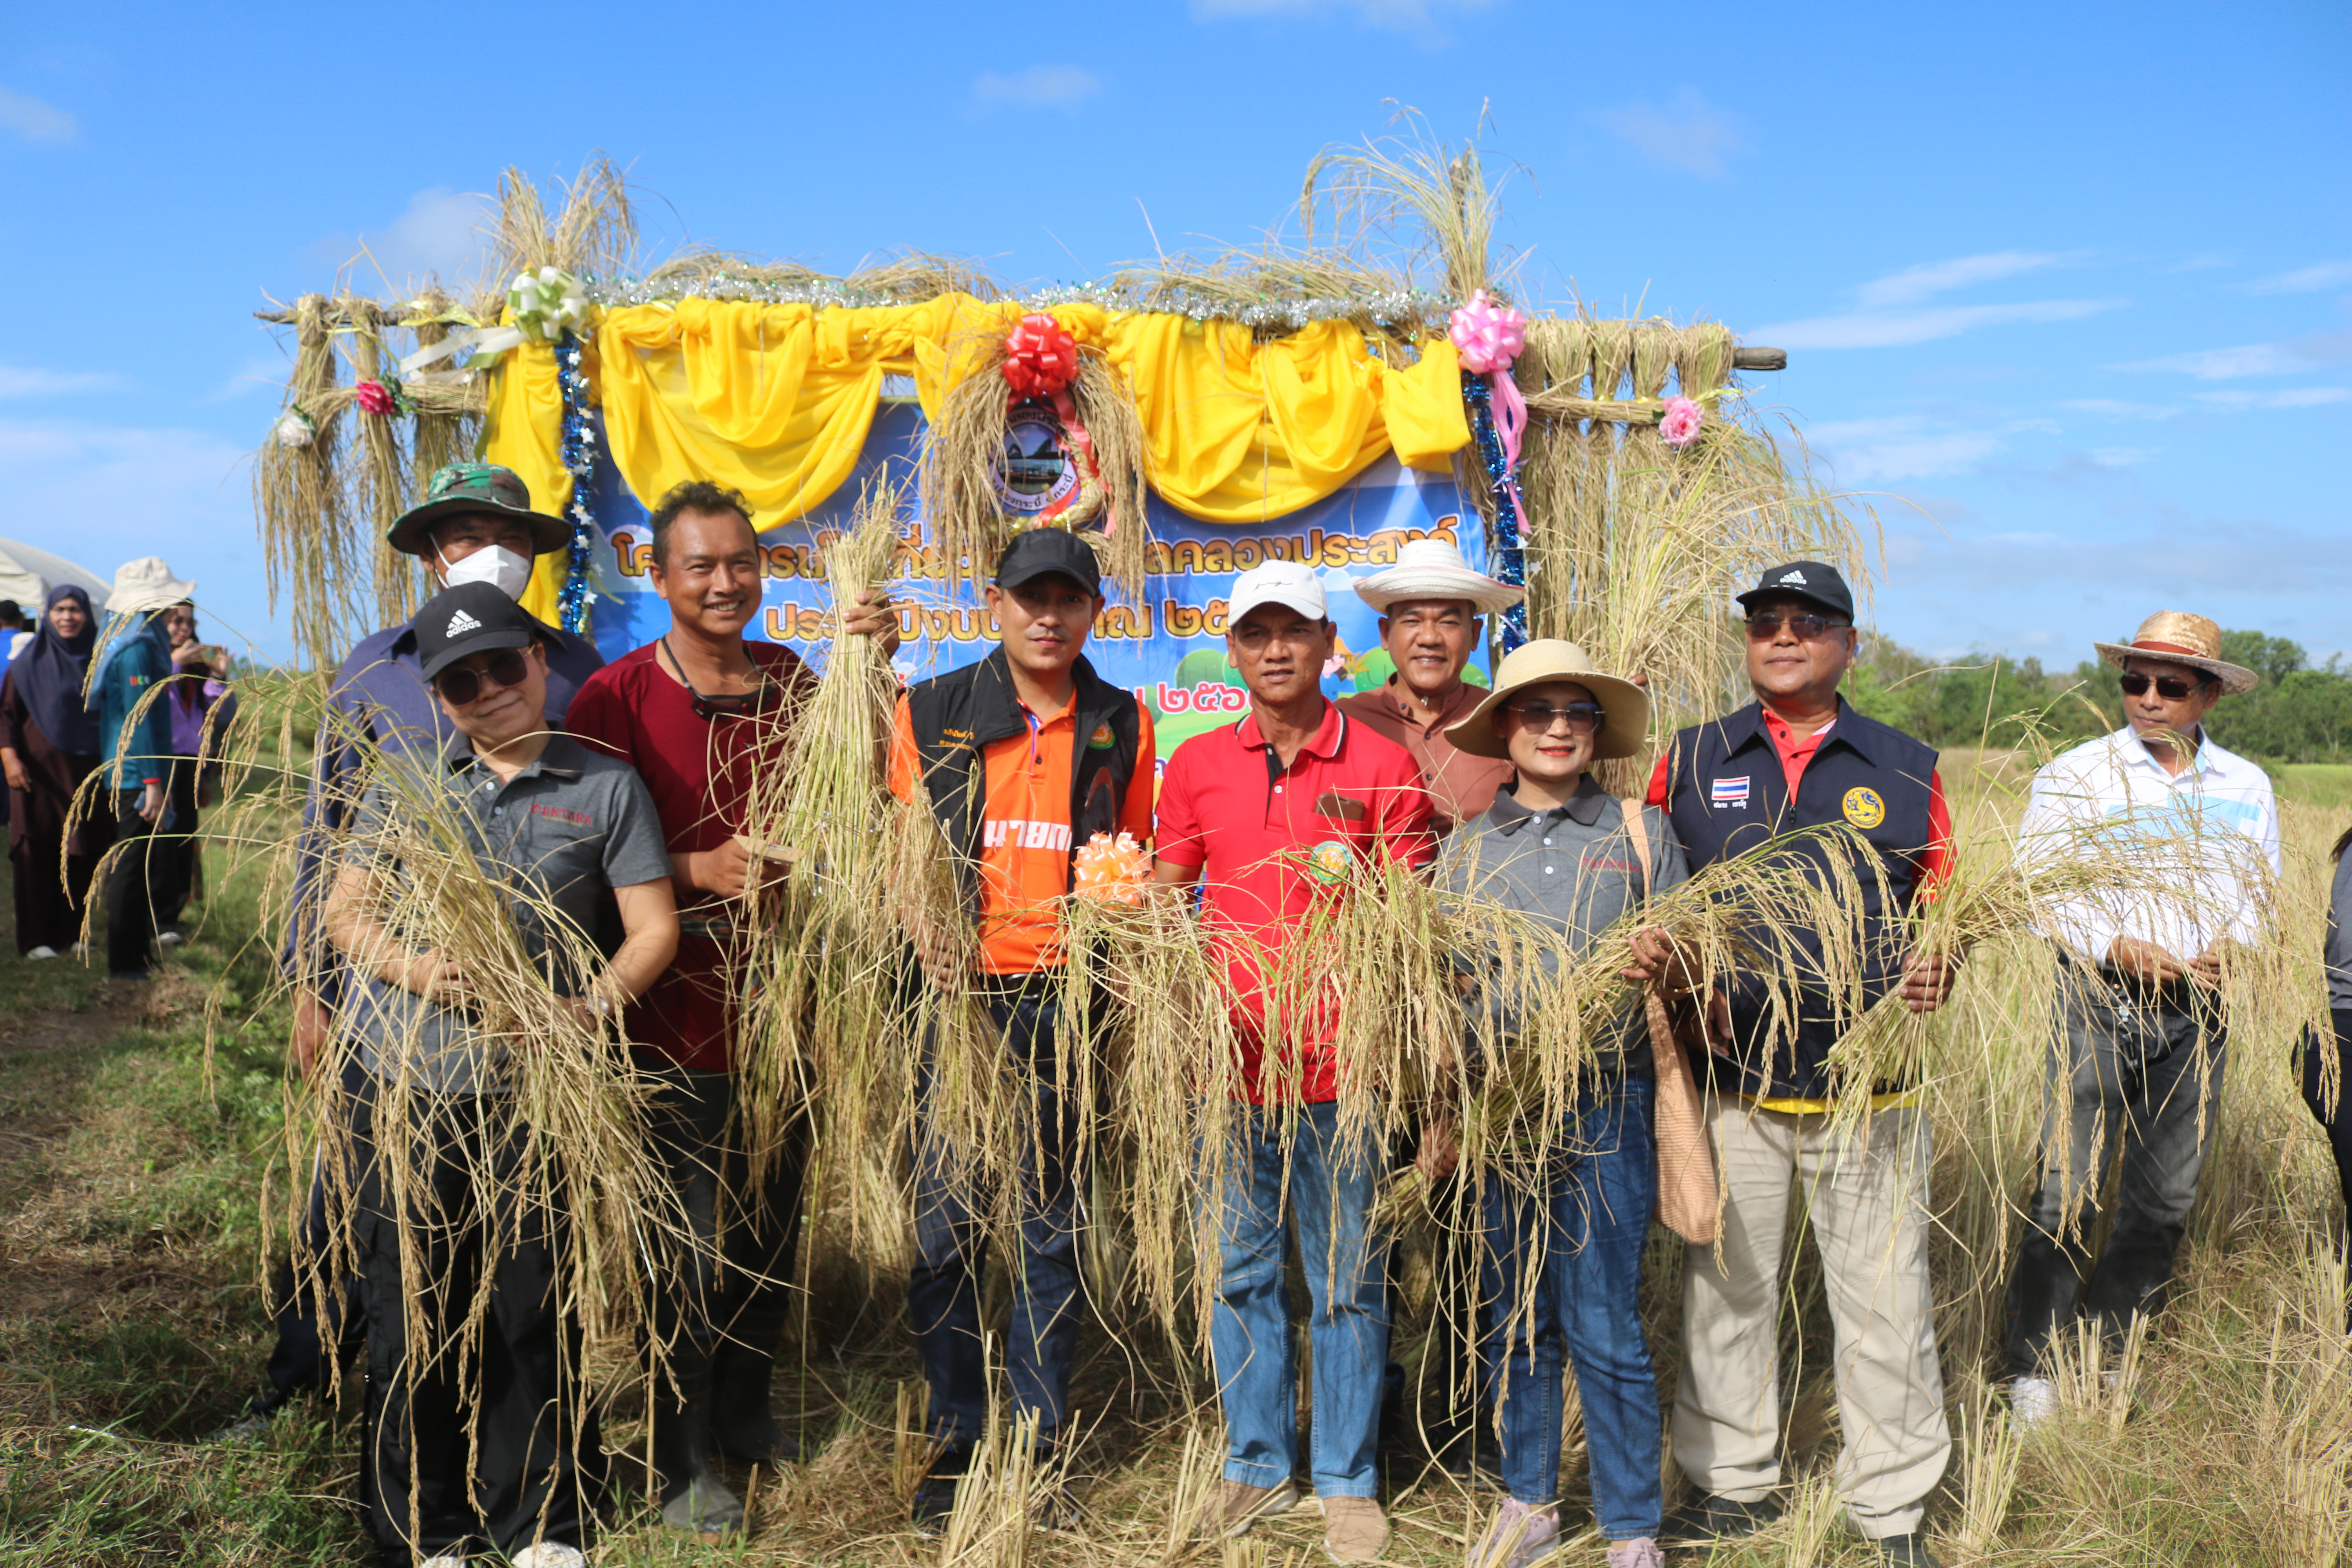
{"x": 1728, "y": 794}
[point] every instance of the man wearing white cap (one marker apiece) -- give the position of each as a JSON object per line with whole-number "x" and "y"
{"x": 2138, "y": 1043}
{"x": 1432, "y": 608}
{"x": 136, "y": 754}
{"x": 1265, "y": 815}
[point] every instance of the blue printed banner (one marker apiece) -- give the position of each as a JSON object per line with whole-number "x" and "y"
{"x": 1170, "y": 647}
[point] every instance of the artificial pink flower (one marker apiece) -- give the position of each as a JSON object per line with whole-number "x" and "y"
{"x": 1041, "y": 358}
{"x": 1487, "y": 337}
{"x": 375, "y": 398}
{"x": 1681, "y": 424}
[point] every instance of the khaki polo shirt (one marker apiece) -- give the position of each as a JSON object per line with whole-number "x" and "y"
{"x": 1460, "y": 785}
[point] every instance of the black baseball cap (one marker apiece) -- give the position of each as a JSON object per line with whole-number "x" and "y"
{"x": 1048, "y": 551}
{"x": 470, "y": 618}
{"x": 1816, "y": 581}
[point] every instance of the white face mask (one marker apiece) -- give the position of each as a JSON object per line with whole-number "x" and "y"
{"x": 494, "y": 564}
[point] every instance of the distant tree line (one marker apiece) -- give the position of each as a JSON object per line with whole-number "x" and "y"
{"x": 2298, "y": 714}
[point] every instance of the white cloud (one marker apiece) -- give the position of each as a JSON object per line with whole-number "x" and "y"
{"x": 36, "y": 121}
{"x": 1903, "y": 446}
{"x": 441, "y": 233}
{"x": 2116, "y": 408}
{"x": 2222, "y": 364}
{"x": 1393, "y": 15}
{"x": 2122, "y": 456}
{"x": 1893, "y": 328}
{"x": 1915, "y": 283}
{"x": 18, "y": 381}
{"x": 2293, "y": 397}
{"x": 1039, "y": 87}
{"x": 1685, "y": 132}
{"x": 2305, "y": 279}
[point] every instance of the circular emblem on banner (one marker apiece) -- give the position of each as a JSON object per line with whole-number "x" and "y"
{"x": 1037, "y": 477}
{"x": 1328, "y": 861}
{"x": 1863, "y": 808}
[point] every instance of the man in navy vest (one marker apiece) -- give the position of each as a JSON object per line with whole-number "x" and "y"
{"x": 1800, "y": 758}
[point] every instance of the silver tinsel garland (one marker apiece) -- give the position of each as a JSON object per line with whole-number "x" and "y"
{"x": 1410, "y": 308}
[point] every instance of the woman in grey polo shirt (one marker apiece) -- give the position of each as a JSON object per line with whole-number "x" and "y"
{"x": 480, "y": 1436}
{"x": 1563, "y": 1265}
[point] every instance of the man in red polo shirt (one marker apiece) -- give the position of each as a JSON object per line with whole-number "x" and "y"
{"x": 1266, "y": 814}
{"x": 695, "y": 713}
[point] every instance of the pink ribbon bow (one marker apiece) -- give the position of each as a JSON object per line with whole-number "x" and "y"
{"x": 1487, "y": 338}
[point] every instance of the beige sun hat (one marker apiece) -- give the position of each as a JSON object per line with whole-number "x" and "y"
{"x": 1435, "y": 569}
{"x": 2183, "y": 638}
{"x": 1625, "y": 707}
{"x": 145, "y": 584}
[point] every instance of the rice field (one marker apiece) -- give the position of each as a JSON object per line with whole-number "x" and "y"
{"x": 135, "y": 1169}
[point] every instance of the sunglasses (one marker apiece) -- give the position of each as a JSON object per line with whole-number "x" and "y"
{"x": 460, "y": 686}
{"x": 2171, "y": 688}
{"x": 1582, "y": 717}
{"x": 1765, "y": 628}
{"x": 732, "y": 706}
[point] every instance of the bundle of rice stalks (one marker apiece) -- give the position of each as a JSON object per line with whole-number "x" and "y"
{"x": 821, "y": 939}
{"x": 1419, "y": 186}
{"x": 911, "y": 277}
{"x": 966, "y": 448}
{"x": 593, "y": 234}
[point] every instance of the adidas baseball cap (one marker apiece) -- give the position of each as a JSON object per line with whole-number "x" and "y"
{"x": 470, "y": 618}
{"x": 1810, "y": 579}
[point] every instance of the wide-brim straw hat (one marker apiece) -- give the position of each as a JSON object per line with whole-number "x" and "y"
{"x": 1625, "y": 707}
{"x": 1435, "y": 569}
{"x": 486, "y": 488}
{"x": 146, "y": 585}
{"x": 2182, "y": 638}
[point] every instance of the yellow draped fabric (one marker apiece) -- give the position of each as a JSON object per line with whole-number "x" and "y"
{"x": 776, "y": 401}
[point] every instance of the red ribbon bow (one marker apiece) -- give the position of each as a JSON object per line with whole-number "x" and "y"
{"x": 1041, "y": 358}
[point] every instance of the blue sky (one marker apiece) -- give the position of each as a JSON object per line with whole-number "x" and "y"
{"x": 2067, "y": 289}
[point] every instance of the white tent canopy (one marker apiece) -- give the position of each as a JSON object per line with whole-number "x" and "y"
{"x": 26, "y": 575}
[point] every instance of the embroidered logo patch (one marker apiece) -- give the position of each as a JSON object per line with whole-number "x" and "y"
{"x": 1729, "y": 791}
{"x": 1102, "y": 740}
{"x": 561, "y": 813}
{"x": 1328, "y": 861}
{"x": 461, "y": 622}
{"x": 1797, "y": 578}
{"x": 1863, "y": 808}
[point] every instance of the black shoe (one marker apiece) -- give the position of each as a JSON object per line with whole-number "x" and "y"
{"x": 935, "y": 1497}
{"x": 1710, "y": 1516}
{"x": 1906, "y": 1551}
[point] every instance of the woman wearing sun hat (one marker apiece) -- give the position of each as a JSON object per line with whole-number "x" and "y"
{"x": 1555, "y": 846}
{"x": 135, "y": 750}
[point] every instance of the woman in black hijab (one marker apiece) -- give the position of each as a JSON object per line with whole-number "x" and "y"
{"x": 49, "y": 744}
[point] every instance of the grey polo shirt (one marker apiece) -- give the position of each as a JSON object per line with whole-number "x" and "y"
{"x": 569, "y": 828}
{"x": 1572, "y": 867}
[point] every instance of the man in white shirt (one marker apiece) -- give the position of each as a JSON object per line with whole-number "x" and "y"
{"x": 2136, "y": 1058}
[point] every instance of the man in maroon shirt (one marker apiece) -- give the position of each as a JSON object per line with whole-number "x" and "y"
{"x": 695, "y": 713}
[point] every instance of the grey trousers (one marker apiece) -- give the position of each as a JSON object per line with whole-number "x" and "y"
{"x": 2135, "y": 1073}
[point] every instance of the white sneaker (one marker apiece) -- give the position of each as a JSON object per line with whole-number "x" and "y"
{"x": 44, "y": 950}
{"x": 549, "y": 1554}
{"x": 169, "y": 939}
{"x": 2031, "y": 1400}
{"x": 444, "y": 1560}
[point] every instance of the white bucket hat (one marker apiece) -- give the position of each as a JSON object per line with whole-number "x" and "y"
{"x": 145, "y": 584}
{"x": 1435, "y": 569}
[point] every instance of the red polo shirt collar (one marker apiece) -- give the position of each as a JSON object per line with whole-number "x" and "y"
{"x": 1323, "y": 743}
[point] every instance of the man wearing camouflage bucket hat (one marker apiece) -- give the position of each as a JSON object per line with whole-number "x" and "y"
{"x": 475, "y": 524}
{"x": 2137, "y": 1046}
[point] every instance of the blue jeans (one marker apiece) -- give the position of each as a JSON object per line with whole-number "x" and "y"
{"x": 1328, "y": 1203}
{"x": 1581, "y": 1241}
{"x": 943, "y": 1288}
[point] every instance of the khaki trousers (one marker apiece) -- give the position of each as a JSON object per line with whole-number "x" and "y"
{"x": 1868, "y": 1206}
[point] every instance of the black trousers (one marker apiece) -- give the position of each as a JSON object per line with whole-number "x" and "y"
{"x": 131, "y": 881}
{"x": 2335, "y": 1118}
{"x": 720, "y": 1304}
{"x": 175, "y": 845}
{"x": 2135, "y": 1075}
{"x": 483, "y": 1439}
{"x": 316, "y": 1291}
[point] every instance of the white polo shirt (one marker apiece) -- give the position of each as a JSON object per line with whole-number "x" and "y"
{"x": 2209, "y": 835}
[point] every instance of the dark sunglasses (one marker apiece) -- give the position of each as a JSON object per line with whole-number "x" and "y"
{"x": 1765, "y": 628}
{"x": 2171, "y": 688}
{"x": 461, "y": 686}
{"x": 1583, "y": 718}
{"x": 732, "y": 706}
